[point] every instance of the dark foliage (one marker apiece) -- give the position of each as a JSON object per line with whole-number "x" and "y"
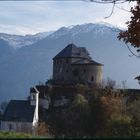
{"x": 132, "y": 35}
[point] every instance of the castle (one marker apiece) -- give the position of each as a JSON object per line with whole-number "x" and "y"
{"x": 71, "y": 66}
{"x": 74, "y": 65}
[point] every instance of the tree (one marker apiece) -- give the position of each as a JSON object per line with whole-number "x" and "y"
{"x": 113, "y": 104}
{"x": 79, "y": 102}
{"x": 109, "y": 83}
{"x": 72, "y": 121}
{"x": 119, "y": 126}
{"x": 97, "y": 117}
{"x": 134, "y": 110}
{"x": 132, "y": 34}
{"x": 78, "y": 116}
{"x": 42, "y": 129}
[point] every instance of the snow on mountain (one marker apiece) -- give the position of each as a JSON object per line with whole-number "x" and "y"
{"x": 98, "y": 28}
{"x": 18, "y": 41}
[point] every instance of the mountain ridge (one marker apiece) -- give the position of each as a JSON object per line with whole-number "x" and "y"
{"x": 18, "y": 41}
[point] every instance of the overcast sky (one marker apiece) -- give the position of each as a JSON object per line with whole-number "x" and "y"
{"x": 30, "y": 17}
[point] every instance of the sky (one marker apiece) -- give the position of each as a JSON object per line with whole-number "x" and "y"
{"x": 31, "y": 17}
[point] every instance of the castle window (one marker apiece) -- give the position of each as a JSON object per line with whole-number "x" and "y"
{"x": 84, "y": 70}
{"x": 67, "y": 61}
{"x": 92, "y": 78}
{"x": 60, "y": 70}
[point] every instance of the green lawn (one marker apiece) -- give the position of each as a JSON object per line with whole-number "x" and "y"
{"x": 7, "y": 134}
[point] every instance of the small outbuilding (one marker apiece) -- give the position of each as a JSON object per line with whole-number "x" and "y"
{"x": 19, "y": 117}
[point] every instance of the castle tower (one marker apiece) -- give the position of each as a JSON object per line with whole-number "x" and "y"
{"x": 74, "y": 65}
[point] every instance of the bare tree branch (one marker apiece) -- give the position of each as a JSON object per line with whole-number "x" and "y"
{"x": 132, "y": 52}
{"x": 108, "y": 1}
{"x": 111, "y": 11}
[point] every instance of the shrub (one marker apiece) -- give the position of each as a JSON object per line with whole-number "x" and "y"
{"x": 119, "y": 126}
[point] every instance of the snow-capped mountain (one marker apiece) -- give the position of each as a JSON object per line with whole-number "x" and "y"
{"x": 33, "y": 63}
{"x": 18, "y": 41}
{"x": 97, "y": 28}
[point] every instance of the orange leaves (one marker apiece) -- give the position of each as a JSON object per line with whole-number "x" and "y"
{"x": 132, "y": 35}
{"x": 112, "y": 105}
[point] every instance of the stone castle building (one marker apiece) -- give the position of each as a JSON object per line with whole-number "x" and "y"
{"x": 71, "y": 66}
{"x": 74, "y": 65}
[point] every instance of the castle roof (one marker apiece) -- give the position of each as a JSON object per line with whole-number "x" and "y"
{"x": 72, "y": 50}
{"x": 86, "y": 62}
{"x": 19, "y": 110}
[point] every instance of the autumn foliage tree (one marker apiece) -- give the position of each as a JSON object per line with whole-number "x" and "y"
{"x": 132, "y": 34}
{"x": 43, "y": 129}
{"x": 78, "y": 116}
